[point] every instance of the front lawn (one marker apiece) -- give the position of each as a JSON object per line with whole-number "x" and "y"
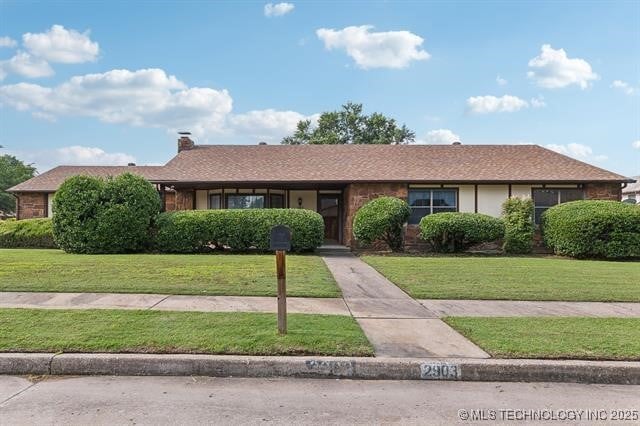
{"x": 575, "y": 338}
{"x": 40, "y": 330}
{"x": 511, "y": 278}
{"x": 224, "y": 274}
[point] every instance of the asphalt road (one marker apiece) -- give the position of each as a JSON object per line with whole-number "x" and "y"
{"x": 200, "y": 400}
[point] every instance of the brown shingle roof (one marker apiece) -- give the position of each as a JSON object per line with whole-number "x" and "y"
{"x": 350, "y": 163}
{"x": 49, "y": 181}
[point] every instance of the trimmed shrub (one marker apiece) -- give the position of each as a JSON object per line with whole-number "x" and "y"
{"x": 240, "y": 230}
{"x": 593, "y": 228}
{"x": 382, "y": 218}
{"x": 27, "y": 233}
{"x": 517, "y": 214}
{"x": 454, "y": 232}
{"x": 93, "y": 215}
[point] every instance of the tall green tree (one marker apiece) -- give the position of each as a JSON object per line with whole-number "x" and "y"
{"x": 12, "y": 172}
{"x": 350, "y": 126}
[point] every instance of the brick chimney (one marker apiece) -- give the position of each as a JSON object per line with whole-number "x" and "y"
{"x": 185, "y": 142}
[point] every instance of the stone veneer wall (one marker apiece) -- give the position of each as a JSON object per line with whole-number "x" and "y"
{"x": 357, "y": 194}
{"x": 31, "y": 205}
{"x": 603, "y": 191}
{"x": 185, "y": 199}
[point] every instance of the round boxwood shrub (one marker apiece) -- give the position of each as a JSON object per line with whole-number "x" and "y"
{"x": 593, "y": 228}
{"x": 517, "y": 214}
{"x": 27, "y": 233}
{"x": 94, "y": 215}
{"x": 454, "y": 232}
{"x": 383, "y": 219}
{"x": 240, "y": 230}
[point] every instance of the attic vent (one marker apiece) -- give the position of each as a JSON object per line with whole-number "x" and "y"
{"x": 262, "y": 143}
{"x": 457, "y": 143}
{"x": 131, "y": 164}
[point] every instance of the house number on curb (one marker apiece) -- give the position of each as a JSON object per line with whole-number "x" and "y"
{"x": 280, "y": 241}
{"x": 440, "y": 371}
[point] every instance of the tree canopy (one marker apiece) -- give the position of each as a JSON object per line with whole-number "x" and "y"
{"x": 350, "y": 126}
{"x": 12, "y": 172}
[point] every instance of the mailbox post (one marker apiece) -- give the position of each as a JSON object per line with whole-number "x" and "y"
{"x": 280, "y": 241}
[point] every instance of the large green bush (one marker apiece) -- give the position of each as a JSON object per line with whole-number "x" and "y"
{"x": 382, "y": 218}
{"x": 454, "y": 232}
{"x": 517, "y": 214}
{"x": 94, "y": 215}
{"x": 593, "y": 228}
{"x": 200, "y": 230}
{"x": 28, "y": 233}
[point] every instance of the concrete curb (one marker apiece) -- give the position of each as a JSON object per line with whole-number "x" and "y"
{"x": 501, "y": 370}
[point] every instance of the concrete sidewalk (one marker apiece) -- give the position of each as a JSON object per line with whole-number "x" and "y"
{"x": 519, "y": 308}
{"x": 395, "y": 324}
{"x": 303, "y": 305}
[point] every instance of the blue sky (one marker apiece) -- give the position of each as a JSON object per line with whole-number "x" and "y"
{"x": 111, "y": 82}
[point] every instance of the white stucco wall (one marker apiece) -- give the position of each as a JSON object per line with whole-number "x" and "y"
{"x": 491, "y": 197}
{"x": 309, "y": 199}
{"x": 50, "y": 204}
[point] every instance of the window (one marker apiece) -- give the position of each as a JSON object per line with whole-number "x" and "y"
{"x": 545, "y": 198}
{"x": 215, "y": 201}
{"x": 276, "y": 201}
{"x": 245, "y": 201}
{"x": 424, "y": 202}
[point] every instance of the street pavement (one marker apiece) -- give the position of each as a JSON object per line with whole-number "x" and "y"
{"x": 100, "y": 400}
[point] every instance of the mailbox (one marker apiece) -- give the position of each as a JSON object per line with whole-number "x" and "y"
{"x": 280, "y": 238}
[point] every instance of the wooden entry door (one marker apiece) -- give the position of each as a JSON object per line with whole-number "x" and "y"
{"x": 329, "y": 209}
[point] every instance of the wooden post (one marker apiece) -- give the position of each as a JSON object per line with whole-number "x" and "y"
{"x": 281, "y": 267}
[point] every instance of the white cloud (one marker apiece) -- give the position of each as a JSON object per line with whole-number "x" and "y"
{"x": 74, "y": 155}
{"x": 577, "y": 151}
{"x": 278, "y": 9}
{"x": 538, "y": 102}
{"x": 636, "y": 144}
{"x": 25, "y": 65}
{"x": 552, "y": 69}
{"x": 439, "y": 137}
{"x": 491, "y": 104}
{"x": 623, "y": 86}
{"x": 7, "y": 42}
{"x": 390, "y": 49}
{"x": 61, "y": 45}
{"x": 268, "y": 124}
{"x": 501, "y": 81}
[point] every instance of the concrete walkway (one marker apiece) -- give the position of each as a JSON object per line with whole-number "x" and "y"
{"x": 305, "y": 305}
{"x": 515, "y": 308}
{"x": 395, "y": 324}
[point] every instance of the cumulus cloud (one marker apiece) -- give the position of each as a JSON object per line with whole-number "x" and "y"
{"x": 538, "y": 102}
{"x": 7, "y": 42}
{"x": 491, "y": 104}
{"x": 439, "y": 137}
{"x": 501, "y": 81}
{"x": 552, "y": 69}
{"x": 390, "y": 49}
{"x": 623, "y": 86}
{"x": 74, "y": 155}
{"x": 61, "y": 45}
{"x": 636, "y": 144}
{"x": 25, "y": 65}
{"x": 278, "y": 9}
{"x": 268, "y": 124}
{"x": 577, "y": 151}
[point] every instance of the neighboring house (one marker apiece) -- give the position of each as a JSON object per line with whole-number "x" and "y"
{"x": 336, "y": 180}
{"x": 632, "y": 191}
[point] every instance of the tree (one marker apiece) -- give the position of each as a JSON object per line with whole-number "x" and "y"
{"x": 350, "y": 126}
{"x": 12, "y": 172}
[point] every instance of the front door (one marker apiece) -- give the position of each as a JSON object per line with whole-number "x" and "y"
{"x": 329, "y": 209}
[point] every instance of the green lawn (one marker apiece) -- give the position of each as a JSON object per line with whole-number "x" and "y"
{"x": 42, "y": 330}
{"x": 511, "y": 278}
{"x": 239, "y": 275}
{"x": 576, "y": 338}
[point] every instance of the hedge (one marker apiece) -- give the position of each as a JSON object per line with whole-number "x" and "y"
{"x": 240, "y": 230}
{"x": 454, "y": 232}
{"x": 94, "y": 215}
{"x": 382, "y": 218}
{"x": 593, "y": 228}
{"x": 517, "y": 214}
{"x": 27, "y": 233}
